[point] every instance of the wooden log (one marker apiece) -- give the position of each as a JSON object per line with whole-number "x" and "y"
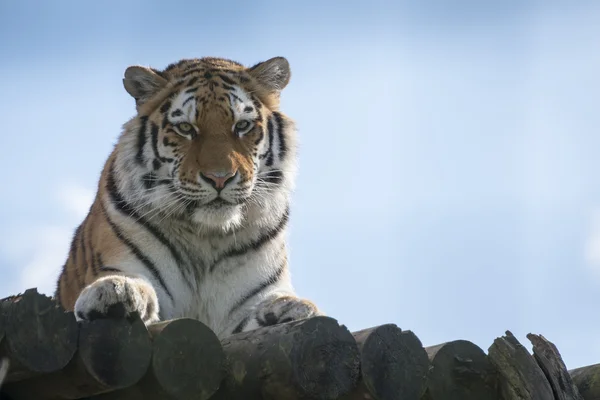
{"x": 315, "y": 358}
{"x": 40, "y": 337}
{"x": 188, "y": 362}
{"x": 548, "y": 358}
{"x": 113, "y": 354}
{"x": 3, "y": 360}
{"x": 2, "y": 323}
{"x": 587, "y": 380}
{"x": 460, "y": 370}
{"x": 3, "y": 370}
{"x": 519, "y": 375}
{"x": 394, "y": 365}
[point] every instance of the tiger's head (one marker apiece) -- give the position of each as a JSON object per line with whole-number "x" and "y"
{"x": 208, "y": 143}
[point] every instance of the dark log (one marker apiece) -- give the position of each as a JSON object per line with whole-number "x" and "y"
{"x": 3, "y": 360}
{"x": 2, "y": 323}
{"x": 40, "y": 337}
{"x": 587, "y": 380}
{"x": 3, "y": 370}
{"x": 187, "y": 363}
{"x": 519, "y": 375}
{"x": 460, "y": 370}
{"x": 314, "y": 358}
{"x": 394, "y": 365}
{"x": 548, "y": 358}
{"x": 113, "y": 354}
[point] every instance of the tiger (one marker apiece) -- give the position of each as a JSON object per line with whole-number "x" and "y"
{"x": 192, "y": 206}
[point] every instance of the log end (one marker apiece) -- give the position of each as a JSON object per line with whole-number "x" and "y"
{"x": 325, "y": 358}
{"x": 188, "y": 361}
{"x": 40, "y": 335}
{"x": 115, "y": 352}
{"x": 460, "y": 370}
{"x": 394, "y": 363}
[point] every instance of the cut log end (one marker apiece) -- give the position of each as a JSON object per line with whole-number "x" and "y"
{"x": 460, "y": 370}
{"x": 115, "y": 352}
{"x": 188, "y": 361}
{"x": 394, "y": 364}
{"x": 325, "y": 358}
{"x": 40, "y": 337}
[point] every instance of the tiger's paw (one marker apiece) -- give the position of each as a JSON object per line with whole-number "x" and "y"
{"x": 285, "y": 309}
{"x": 117, "y": 296}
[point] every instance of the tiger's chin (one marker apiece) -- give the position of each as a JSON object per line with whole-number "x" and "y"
{"x": 222, "y": 216}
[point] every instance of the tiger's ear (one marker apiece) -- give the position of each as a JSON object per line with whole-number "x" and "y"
{"x": 273, "y": 74}
{"x": 142, "y": 83}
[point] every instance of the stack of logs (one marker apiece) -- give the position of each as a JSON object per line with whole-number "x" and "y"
{"x": 51, "y": 356}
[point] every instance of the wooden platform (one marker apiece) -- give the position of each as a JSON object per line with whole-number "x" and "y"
{"x": 51, "y": 356}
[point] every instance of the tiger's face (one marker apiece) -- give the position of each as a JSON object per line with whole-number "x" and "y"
{"x": 214, "y": 136}
{"x": 205, "y": 137}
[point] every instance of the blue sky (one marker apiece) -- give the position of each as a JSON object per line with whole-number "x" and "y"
{"x": 448, "y": 164}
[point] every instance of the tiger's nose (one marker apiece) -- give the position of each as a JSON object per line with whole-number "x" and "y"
{"x": 218, "y": 179}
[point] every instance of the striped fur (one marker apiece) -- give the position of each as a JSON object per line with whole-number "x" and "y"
{"x": 192, "y": 206}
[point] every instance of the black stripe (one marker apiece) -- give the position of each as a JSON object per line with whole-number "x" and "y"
{"x": 83, "y": 248}
{"x": 272, "y": 134}
{"x": 186, "y": 100}
{"x": 227, "y": 87}
{"x": 269, "y": 153}
{"x": 154, "y": 131}
{"x": 139, "y": 157}
{"x": 149, "y": 180}
{"x": 256, "y": 244}
{"x": 136, "y": 251}
{"x": 271, "y": 280}
{"x": 192, "y": 71}
{"x": 124, "y": 207}
{"x": 102, "y": 267}
{"x": 257, "y": 105}
{"x": 226, "y": 79}
{"x": 274, "y": 177}
{"x": 165, "y": 106}
{"x": 73, "y": 250}
{"x": 280, "y": 134}
{"x": 192, "y": 81}
{"x": 95, "y": 269}
{"x": 110, "y": 269}
{"x": 191, "y": 90}
{"x": 240, "y": 326}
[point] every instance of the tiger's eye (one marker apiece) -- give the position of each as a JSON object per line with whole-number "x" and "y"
{"x": 242, "y": 125}
{"x": 185, "y": 127}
